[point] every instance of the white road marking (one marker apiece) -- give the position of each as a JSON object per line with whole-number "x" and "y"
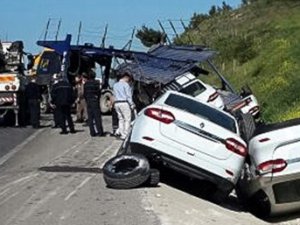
{"x": 19, "y": 147}
{"x": 105, "y": 150}
{"x": 78, "y": 188}
{"x": 19, "y": 181}
{"x": 8, "y": 198}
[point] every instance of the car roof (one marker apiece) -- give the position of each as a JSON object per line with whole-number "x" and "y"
{"x": 163, "y": 97}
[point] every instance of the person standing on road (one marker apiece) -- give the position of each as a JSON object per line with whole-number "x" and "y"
{"x": 34, "y": 97}
{"x": 123, "y": 103}
{"x": 92, "y": 92}
{"x": 63, "y": 97}
{"x": 81, "y": 108}
{"x": 52, "y": 105}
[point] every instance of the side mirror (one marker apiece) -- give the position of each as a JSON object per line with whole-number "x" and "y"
{"x": 30, "y": 62}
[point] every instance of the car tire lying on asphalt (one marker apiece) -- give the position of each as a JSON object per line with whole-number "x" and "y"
{"x": 154, "y": 178}
{"x": 126, "y": 171}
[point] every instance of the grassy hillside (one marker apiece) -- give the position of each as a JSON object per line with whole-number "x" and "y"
{"x": 259, "y": 45}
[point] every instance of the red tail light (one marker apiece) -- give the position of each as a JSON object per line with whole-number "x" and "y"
{"x": 236, "y": 147}
{"x": 272, "y": 166}
{"x": 160, "y": 115}
{"x": 7, "y": 87}
{"x": 213, "y": 97}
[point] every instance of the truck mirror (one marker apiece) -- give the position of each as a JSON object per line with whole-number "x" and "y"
{"x": 30, "y": 62}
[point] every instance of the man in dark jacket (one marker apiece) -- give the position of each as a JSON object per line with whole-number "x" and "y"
{"x": 63, "y": 97}
{"x": 34, "y": 97}
{"x": 92, "y": 94}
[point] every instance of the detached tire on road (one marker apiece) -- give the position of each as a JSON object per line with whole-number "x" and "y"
{"x": 126, "y": 171}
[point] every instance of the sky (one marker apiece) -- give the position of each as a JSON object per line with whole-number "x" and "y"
{"x": 26, "y": 19}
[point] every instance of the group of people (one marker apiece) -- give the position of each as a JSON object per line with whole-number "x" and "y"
{"x": 87, "y": 98}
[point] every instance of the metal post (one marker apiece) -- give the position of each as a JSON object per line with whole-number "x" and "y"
{"x": 58, "y": 28}
{"x": 47, "y": 28}
{"x": 79, "y": 33}
{"x": 173, "y": 28}
{"x": 104, "y": 37}
{"x": 185, "y": 29}
{"x": 221, "y": 76}
{"x": 161, "y": 26}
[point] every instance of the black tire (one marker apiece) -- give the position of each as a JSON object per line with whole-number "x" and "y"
{"x": 105, "y": 102}
{"x": 220, "y": 196}
{"x": 154, "y": 178}
{"x": 126, "y": 171}
{"x": 247, "y": 126}
{"x": 259, "y": 204}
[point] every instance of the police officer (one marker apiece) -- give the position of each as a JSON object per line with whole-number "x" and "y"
{"x": 63, "y": 97}
{"x": 92, "y": 94}
{"x": 55, "y": 80}
{"x": 33, "y": 96}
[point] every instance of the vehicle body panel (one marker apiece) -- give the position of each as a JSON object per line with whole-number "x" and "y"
{"x": 181, "y": 144}
{"x": 281, "y": 187}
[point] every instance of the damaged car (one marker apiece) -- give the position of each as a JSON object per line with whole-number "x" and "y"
{"x": 270, "y": 181}
{"x": 191, "y": 137}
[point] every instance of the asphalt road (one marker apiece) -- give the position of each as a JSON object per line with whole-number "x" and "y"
{"x": 52, "y": 179}
{"x": 56, "y": 179}
{"x": 10, "y": 137}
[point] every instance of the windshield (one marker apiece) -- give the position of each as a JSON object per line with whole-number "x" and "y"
{"x": 201, "y": 110}
{"x": 193, "y": 89}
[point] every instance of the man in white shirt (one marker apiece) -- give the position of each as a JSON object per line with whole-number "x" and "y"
{"x": 123, "y": 103}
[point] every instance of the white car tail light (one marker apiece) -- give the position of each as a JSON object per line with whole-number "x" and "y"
{"x": 236, "y": 147}
{"x": 160, "y": 115}
{"x": 213, "y": 97}
{"x": 7, "y": 87}
{"x": 272, "y": 166}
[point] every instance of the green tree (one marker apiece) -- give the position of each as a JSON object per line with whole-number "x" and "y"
{"x": 149, "y": 36}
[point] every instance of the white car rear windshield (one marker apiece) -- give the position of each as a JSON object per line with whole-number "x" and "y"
{"x": 204, "y": 111}
{"x": 193, "y": 89}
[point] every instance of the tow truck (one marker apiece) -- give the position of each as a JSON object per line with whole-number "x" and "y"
{"x": 154, "y": 70}
{"x": 12, "y": 83}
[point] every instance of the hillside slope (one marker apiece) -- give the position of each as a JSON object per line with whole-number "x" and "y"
{"x": 259, "y": 45}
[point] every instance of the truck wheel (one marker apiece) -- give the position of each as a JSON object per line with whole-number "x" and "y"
{"x": 105, "y": 102}
{"x": 126, "y": 171}
{"x": 44, "y": 105}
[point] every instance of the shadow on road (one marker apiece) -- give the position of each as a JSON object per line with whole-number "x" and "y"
{"x": 70, "y": 169}
{"x": 205, "y": 190}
